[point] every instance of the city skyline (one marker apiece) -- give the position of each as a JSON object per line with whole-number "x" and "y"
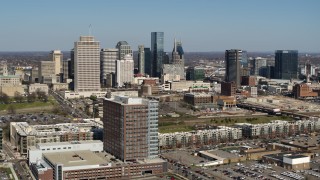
{"x": 202, "y": 26}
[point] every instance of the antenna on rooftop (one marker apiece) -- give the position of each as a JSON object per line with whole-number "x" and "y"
{"x": 90, "y": 29}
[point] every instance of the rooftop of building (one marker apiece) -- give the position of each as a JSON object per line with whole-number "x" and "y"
{"x": 9, "y": 76}
{"x": 88, "y": 158}
{"x": 24, "y": 129}
{"x": 75, "y": 158}
{"x": 127, "y": 100}
{"x": 88, "y": 142}
{"x": 280, "y": 156}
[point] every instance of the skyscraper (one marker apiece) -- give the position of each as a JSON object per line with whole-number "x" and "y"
{"x": 141, "y": 59}
{"x": 57, "y": 57}
{"x": 178, "y": 58}
{"x": 108, "y": 60}
{"x": 131, "y": 127}
{"x": 244, "y": 59}
{"x": 147, "y": 61}
{"x": 86, "y": 64}
{"x": 124, "y": 71}
{"x": 157, "y": 48}
{"x": 286, "y": 64}
{"x": 232, "y": 61}
{"x": 124, "y": 48}
{"x": 260, "y": 66}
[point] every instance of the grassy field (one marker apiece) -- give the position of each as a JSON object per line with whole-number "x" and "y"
{"x": 169, "y": 125}
{"x": 29, "y": 105}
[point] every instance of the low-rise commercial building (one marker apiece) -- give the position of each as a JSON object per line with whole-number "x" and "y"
{"x": 89, "y": 165}
{"x": 288, "y": 161}
{"x": 33, "y": 88}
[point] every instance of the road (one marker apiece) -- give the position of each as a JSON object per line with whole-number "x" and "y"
{"x": 19, "y": 165}
{"x": 67, "y": 106}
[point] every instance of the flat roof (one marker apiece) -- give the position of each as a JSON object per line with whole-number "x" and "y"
{"x": 69, "y": 143}
{"x": 75, "y": 158}
{"x": 88, "y": 158}
{"x": 296, "y": 156}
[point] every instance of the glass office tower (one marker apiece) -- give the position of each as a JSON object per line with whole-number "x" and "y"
{"x": 157, "y": 40}
{"x": 286, "y": 64}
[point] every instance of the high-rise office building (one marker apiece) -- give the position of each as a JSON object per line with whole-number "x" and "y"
{"x": 108, "y": 61}
{"x": 141, "y": 59}
{"x": 178, "y": 59}
{"x": 157, "y": 50}
{"x": 57, "y": 57}
{"x": 244, "y": 59}
{"x": 47, "y": 72}
{"x": 124, "y": 71}
{"x": 147, "y": 61}
{"x": 286, "y": 64}
{"x": 260, "y": 66}
{"x": 131, "y": 127}
{"x": 232, "y": 61}
{"x": 86, "y": 64}
{"x": 124, "y": 48}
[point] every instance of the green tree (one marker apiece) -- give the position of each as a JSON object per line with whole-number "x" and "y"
{"x": 18, "y": 97}
{"x": 11, "y": 109}
{"x": 93, "y": 97}
{"x": 31, "y": 97}
{"x": 4, "y": 98}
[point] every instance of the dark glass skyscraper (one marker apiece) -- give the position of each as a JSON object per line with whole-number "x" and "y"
{"x": 286, "y": 64}
{"x": 233, "y": 59}
{"x": 157, "y": 41}
{"x": 147, "y": 61}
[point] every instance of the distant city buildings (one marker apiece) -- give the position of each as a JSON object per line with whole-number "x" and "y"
{"x": 123, "y": 48}
{"x": 157, "y": 50}
{"x": 56, "y": 56}
{"x": 260, "y": 66}
{"x": 124, "y": 71}
{"x": 232, "y": 62}
{"x": 141, "y": 59}
{"x": 108, "y": 61}
{"x": 148, "y": 61}
{"x": 286, "y": 64}
{"x": 86, "y": 64}
{"x": 196, "y": 73}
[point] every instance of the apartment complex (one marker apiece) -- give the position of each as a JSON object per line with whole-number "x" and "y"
{"x": 23, "y": 135}
{"x": 131, "y": 128}
{"x": 200, "y": 137}
{"x": 86, "y": 64}
{"x": 279, "y": 128}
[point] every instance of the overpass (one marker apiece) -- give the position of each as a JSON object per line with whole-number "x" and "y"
{"x": 273, "y": 111}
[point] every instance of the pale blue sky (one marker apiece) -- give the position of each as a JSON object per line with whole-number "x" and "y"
{"x": 202, "y": 25}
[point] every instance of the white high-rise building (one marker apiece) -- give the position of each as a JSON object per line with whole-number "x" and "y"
{"x": 124, "y": 73}
{"x": 57, "y": 57}
{"x": 108, "y": 60}
{"x": 86, "y": 64}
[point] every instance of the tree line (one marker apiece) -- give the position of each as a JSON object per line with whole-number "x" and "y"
{"x": 19, "y": 98}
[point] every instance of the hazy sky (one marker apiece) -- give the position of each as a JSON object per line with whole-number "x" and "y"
{"x": 202, "y": 25}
